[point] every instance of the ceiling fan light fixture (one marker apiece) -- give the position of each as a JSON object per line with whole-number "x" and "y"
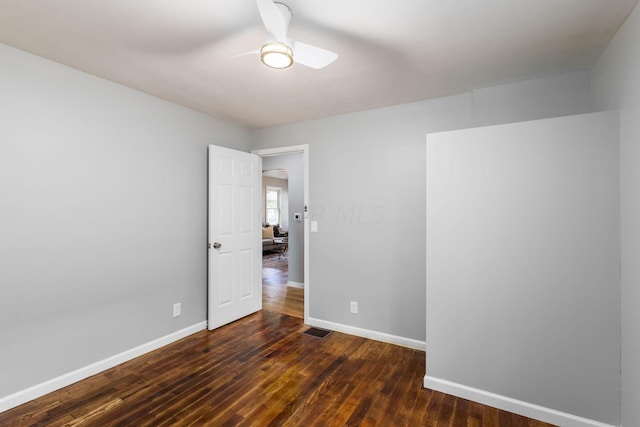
{"x": 276, "y": 55}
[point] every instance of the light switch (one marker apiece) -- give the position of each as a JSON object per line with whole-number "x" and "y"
{"x": 314, "y": 226}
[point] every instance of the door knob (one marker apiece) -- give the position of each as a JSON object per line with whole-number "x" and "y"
{"x": 217, "y": 245}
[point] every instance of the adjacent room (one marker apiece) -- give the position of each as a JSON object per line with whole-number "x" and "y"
{"x": 283, "y": 234}
{"x": 320, "y": 213}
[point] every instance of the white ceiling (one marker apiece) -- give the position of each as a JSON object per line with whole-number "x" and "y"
{"x": 391, "y": 52}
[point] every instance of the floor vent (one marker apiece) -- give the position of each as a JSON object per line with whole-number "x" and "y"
{"x": 316, "y": 332}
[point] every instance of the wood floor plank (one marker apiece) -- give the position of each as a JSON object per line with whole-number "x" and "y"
{"x": 432, "y": 412}
{"x": 446, "y": 411}
{"x": 262, "y": 371}
{"x": 490, "y": 417}
{"x": 460, "y": 416}
{"x": 475, "y": 414}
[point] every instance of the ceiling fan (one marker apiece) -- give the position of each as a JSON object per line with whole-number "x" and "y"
{"x": 280, "y": 51}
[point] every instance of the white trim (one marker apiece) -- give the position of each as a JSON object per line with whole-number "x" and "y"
{"x": 296, "y": 285}
{"x": 505, "y": 403}
{"x": 292, "y": 149}
{"x": 366, "y": 333}
{"x": 38, "y": 390}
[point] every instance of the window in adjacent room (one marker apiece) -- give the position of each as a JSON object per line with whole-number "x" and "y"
{"x": 273, "y": 205}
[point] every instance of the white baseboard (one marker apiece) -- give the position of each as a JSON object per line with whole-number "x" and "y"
{"x": 366, "y": 333}
{"x": 26, "y": 395}
{"x": 296, "y": 285}
{"x": 519, "y": 407}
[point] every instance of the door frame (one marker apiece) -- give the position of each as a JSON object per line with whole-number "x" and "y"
{"x": 294, "y": 149}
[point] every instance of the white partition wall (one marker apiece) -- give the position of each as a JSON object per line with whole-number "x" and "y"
{"x": 523, "y": 267}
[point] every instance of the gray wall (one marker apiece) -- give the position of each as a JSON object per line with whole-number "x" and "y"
{"x": 542, "y": 98}
{"x": 616, "y": 85}
{"x": 103, "y": 206}
{"x": 294, "y": 165}
{"x": 367, "y": 186}
{"x": 523, "y": 256}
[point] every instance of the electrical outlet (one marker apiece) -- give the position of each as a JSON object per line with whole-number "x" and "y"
{"x": 177, "y": 309}
{"x": 354, "y": 307}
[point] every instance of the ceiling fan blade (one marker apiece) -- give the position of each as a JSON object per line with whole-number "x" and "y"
{"x": 312, "y": 56}
{"x": 252, "y": 52}
{"x": 273, "y": 19}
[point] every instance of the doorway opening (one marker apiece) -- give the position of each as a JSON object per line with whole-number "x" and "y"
{"x": 279, "y": 294}
{"x": 285, "y": 266}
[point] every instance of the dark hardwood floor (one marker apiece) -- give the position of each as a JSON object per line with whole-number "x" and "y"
{"x": 262, "y": 371}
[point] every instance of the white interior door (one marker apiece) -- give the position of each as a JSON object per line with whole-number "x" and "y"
{"x": 235, "y": 239}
